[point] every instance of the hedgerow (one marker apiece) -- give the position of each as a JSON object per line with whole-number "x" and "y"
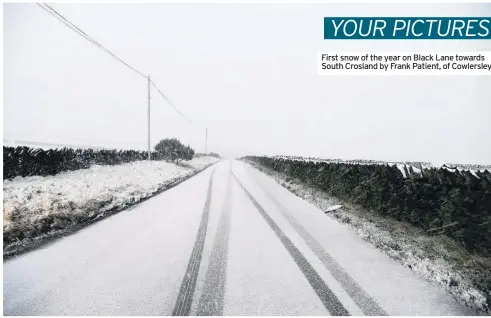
{"x": 26, "y": 161}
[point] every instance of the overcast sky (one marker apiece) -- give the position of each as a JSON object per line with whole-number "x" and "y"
{"x": 245, "y": 71}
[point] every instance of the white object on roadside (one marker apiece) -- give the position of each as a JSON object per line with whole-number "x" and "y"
{"x": 332, "y": 208}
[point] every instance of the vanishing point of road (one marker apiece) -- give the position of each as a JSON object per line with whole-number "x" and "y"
{"x": 228, "y": 241}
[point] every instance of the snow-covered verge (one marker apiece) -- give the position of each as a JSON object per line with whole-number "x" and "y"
{"x": 436, "y": 258}
{"x": 36, "y": 209}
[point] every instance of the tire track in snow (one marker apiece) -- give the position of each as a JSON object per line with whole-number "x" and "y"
{"x": 366, "y": 303}
{"x": 325, "y": 294}
{"x": 188, "y": 285}
{"x": 211, "y": 301}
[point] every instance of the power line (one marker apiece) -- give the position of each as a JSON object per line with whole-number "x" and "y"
{"x": 165, "y": 97}
{"x": 72, "y": 26}
{"x": 76, "y": 29}
{"x": 67, "y": 23}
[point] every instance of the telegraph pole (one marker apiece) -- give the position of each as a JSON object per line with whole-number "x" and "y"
{"x": 148, "y": 117}
{"x": 206, "y": 141}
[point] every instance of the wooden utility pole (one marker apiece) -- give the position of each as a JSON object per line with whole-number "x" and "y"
{"x": 148, "y": 118}
{"x": 206, "y": 141}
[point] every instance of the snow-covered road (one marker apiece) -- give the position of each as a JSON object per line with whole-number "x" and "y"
{"x": 228, "y": 241}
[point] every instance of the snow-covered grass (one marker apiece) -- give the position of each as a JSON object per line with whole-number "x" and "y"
{"x": 38, "y": 208}
{"x": 436, "y": 258}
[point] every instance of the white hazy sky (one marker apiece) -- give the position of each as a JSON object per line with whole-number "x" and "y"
{"x": 245, "y": 71}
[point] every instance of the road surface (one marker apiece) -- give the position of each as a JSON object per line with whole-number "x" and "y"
{"x": 228, "y": 241}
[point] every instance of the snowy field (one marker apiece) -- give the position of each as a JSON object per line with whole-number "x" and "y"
{"x": 36, "y": 208}
{"x": 435, "y": 258}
